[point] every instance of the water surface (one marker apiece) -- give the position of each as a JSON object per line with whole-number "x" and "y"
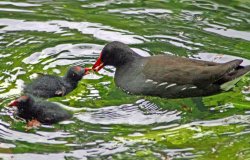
{"x": 49, "y": 36}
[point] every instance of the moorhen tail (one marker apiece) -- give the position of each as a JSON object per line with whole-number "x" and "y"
{"x": 31, "y": 108}
{"x": 48, "y": 86}
{"x": 168, "y": 76}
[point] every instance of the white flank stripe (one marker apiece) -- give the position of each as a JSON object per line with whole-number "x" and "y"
{"x": 184, "y": 88}
{"x": 162, "y": 84}
{"x": 171, "y": 85}
{"x": 194, "y": 87}
{"x": 149, "y": 80}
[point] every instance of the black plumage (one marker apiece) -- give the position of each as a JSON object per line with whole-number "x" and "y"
{"x": 48, "y": 86}
{"x": 32, "y": 108}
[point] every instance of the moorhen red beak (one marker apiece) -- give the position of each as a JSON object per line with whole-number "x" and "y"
{"x": 87, "y": 71}
{"x": 98, "y": 64}
{"x": 13, "y": 103}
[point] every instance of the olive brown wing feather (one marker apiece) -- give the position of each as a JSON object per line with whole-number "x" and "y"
{"x": 184, "y": 71}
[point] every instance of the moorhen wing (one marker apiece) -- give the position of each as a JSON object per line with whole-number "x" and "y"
{"x": 31, "y": 108}
{"x": 168, "y": 76}
{"x": 48, "y": 86}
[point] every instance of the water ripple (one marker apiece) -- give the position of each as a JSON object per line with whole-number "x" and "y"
{"x": 106, "y": 3}
{"x": 139, "y": 11}
{"x": 15, "y": 10}
{"x": 141, "y": 113}
{"x": 40, "y": 137}
{"x": 219, "y": 58}
{"x": 231, "y": 33}
{"x": 99, "y": 31}
{"x": 20, "y": 4}
{"x": 103, "y": 149}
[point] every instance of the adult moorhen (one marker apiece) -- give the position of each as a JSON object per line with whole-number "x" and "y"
{"x": 36, "y": 109}
{"x": 47, "y": 86}
{"x": 167, "y": 76}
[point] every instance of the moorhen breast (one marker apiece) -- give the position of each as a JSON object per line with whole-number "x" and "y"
{"x": 31, "y": 108}
{"x": 48, "y": 86}
{"x": 168, "y": 76}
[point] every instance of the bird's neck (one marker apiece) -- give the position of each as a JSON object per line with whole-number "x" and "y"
{"x": 25, "y": 109}
{"x": 128, "y": 58}
{"x": 70, "y": 81}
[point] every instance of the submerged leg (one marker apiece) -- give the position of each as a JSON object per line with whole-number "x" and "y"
{"x": 33, "y": 124}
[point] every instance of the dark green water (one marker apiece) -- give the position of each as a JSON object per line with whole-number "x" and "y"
{"x": 49, "y": 36}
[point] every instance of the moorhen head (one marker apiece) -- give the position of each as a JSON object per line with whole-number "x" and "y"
{"x": 166, "y": 75}
{"x": 48, "y": 86}
{"x": 76, "y": 73}
{"x": 22, "y": 102}
{"x": 32, "y": 108}
{"x": 114, "y": 54}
